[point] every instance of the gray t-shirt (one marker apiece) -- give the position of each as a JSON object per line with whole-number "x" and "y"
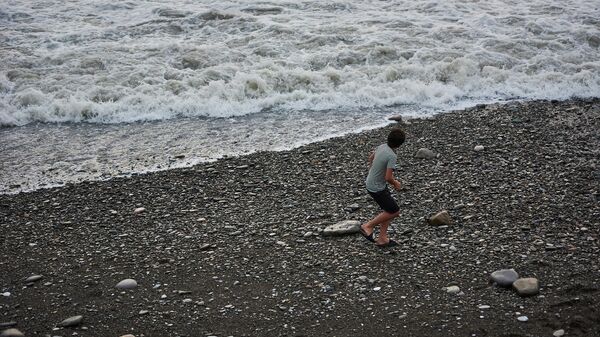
{"x": 385, "y": 158}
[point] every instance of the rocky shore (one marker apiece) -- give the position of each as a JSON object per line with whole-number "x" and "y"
{"x": 235, "y": 247}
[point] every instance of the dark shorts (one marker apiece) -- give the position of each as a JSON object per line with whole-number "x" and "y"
{"x": 385, "y": 200}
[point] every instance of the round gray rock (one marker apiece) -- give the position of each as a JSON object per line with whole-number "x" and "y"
{"x": 504, "y": 277}
{"x": 527, "y": 286}
{"x": 12, "y": 333}
{"x": 342, "y": 228}
{"x": 127, "y": 284}
{"x": 453, "y": 290}
{"x": 558, "y": 333}
{"x": 424, "y": 153}
{"x": 396, "y": 118}
{"x": 72, "y": 321}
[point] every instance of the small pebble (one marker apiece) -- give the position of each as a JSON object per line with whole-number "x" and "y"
{"x": 139, "y": 210}
{"x": 522, "y": 318}
{"x": 479, "y": 148}
{"x": 12, "y": 333}
{"x": 558, "y": 333}
{"x": 72, "y": 321}
{"x": 453, "y": 290}
{"x": 127, "y": 284}
{"x": 33, "y": 278}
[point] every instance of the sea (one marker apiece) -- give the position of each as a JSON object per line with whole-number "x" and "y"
{"x": 91, "y": 90}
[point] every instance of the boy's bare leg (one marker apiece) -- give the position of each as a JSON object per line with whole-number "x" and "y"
{"x": 382, "y": 238}
{"x": 379, "y": 219}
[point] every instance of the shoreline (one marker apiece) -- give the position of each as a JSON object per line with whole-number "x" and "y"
{"x": 63, "y": 171}
{"x": 239, "y": 237}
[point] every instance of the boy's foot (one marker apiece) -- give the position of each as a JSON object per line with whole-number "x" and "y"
{"x": 367, "y": 236}
{"x": 389, "y": 243}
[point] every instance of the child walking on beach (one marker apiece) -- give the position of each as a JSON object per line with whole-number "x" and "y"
{"x": 382, "y": 163}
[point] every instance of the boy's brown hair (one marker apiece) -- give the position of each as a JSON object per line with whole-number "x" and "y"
{"x": 395, "y": 138}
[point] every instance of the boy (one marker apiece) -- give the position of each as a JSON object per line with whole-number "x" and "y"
{"x": 382, "y": 163}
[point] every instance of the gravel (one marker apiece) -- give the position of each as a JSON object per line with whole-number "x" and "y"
{"x": 529, "y": 201}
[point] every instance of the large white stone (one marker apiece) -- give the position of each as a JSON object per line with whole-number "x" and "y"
{"x": 342, "y": 228}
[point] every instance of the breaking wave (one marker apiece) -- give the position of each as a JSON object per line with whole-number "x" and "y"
{"x": 101, "y": 62}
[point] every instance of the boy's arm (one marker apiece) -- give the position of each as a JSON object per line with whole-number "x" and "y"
{"x": 389, "y": 177}
{"x": 371, "y": 157}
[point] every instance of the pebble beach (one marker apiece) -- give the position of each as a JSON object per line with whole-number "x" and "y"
{"x": 236, "y": 247}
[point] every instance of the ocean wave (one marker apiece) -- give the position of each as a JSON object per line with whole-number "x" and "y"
{"x": 107, "y": 63}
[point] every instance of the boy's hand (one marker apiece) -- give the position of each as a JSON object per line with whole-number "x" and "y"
{"x": 397, "y": 185}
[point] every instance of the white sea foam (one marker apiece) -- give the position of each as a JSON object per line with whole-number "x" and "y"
{"x": 102, "y": 62}
{"x": 282, "y": 73}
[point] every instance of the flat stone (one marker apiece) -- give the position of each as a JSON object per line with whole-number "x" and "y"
{"x": 523, "y": 318}
{"x": 342, "y": 228}
{"x": 479, "y": 148}
{"x": 127, "y": 284}
{"x": 308, "y": 234}
{"x": 33, "y": 278}
{"x": 12, "y": 333}
{"x": 527, "y": 286}
{"x": 558, "y": 333}
{"x": 205, "y": 246}
{"x": 72, "y": 321}
{"x": 504, "y": 277}
{"x": 424, "y": 153}
{"x": 139, "y": 210}
{"x": 130, "y": 335}
{"x": 440, "y": 218}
